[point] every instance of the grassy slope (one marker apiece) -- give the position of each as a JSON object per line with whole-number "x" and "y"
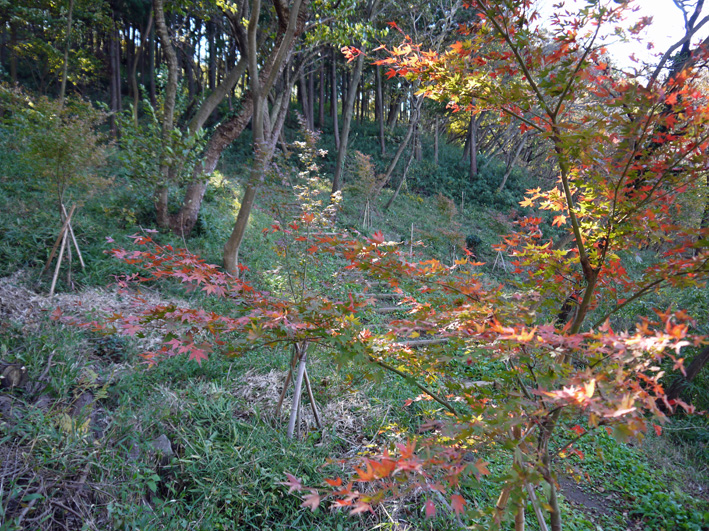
{"x": 229, "y": 453}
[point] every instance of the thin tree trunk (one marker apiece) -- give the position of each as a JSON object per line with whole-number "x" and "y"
{"x": 134, "y": 69}
{"x": 394, "y": 107}
{"x": 409, "y": 132}
{"x": 212, "y": 47}
{"x": 346, "y": 124}
{"x": 403, "y": 175}
{"x": 304, "y": 99}
{"x": 67, "y": 47}
{"x": 691, "y": 372}
{"x": 311, "y": 101}
{"x": 333, "y": 100}
{"x": 379, "y": 109}
{"x": 168, "y": 115}
{"x": 321, "y": 94}
{"x": 473, "y": 144}
{"x": 436, "y": 128}
{"x": 13, "y": 53}
{"x": 151, "y": 69}
{"x": 511, "y": 164}
{"x": 117, "y": 68}
{"x": 114, "y": 88}
{"x": 259, "y": 89}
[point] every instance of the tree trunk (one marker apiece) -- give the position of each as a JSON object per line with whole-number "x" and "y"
{"x": 151, "y": 69}
{"x": 347, "y": 112}
{"x": 304, "y": 99}
{"x": 311, "y": 101}
{"x": 691, "y": 372}
{"x": 394, "y": 107}
{"x": 13, "y": 53}
{"x": 379, "y": 109}
{"x": 321, "y": 95}
{"x": 114, "y": 88}
{"x": 390, "y": 169}
{"x": 134, "y": 68}
{"x": 212, "y": 47}
{"x": 473, "y": 144}
{"x": 403, "y": 175}
{"x": 67, "y": 47}
{"x": 168, "y": 115}
{"x": 261, "y": 84}
{"x": 511, "y": 163}
{"x": 436, "y": 128}
{"x": 333, "y": 100}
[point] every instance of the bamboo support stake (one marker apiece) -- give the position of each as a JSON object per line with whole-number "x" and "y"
{"x": 58, "y": 241}
{"x": 69, "y": 260}
{"x": 537, "y": 508}
{"x": 283, "y": 393}
{"x": 312, "y": 400}
{"x": 73, "y": 239}
{"x": 59, "y": 263}
{"x": 298, "y": 390}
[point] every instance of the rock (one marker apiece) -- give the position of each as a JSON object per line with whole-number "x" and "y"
{"x": 12, "y": 375}
{"x": 162, "y": 444}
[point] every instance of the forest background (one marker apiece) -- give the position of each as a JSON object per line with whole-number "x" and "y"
{"x": 463, "y": 259}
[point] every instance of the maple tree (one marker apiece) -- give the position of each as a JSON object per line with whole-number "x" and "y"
{"x": 626, "y": 147}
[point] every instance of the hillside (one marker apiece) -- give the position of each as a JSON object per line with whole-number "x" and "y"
{"x": 352, "y": 265}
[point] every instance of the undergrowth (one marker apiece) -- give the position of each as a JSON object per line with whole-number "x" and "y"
{"x": 81, "y": 444}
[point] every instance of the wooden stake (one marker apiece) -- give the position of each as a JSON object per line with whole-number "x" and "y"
{"x": 411, "y": 242}
{"x": 312, "y": 400}
{"x": 301, "y": 349}
{"x": 58, "y": 241}
{"x": 537, "y": 508}
{"x": 68, "y": 259}
{"x": 73, "y": 239}
{"x": 59, "y": 262}
{"x": 283, "y": 393}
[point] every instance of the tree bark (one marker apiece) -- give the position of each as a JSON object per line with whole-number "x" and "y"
{"x": 261, "y": 84}
{"x": 511, "y": 163}
{"x": 311, "y": 101}
{"x": 436, "y": 128}
{"x": 333, "y": 100}
{"x": 691, "y": 372}
{"x": 379, "y": 109}
{"x": 321, "y": 93}
{"x": 394, "y": 107}
{"x": 168, "y": 115}
{"x": 134, "y": 68}
{"x": 114, "y": 87}
{"x": 473, "y": 145}
{"x": 403, "y": 175}
{"x": 151, "y": 69}
{"x": 392, "y": 165}
{"x": 13, "y": 53}
{"x": 348, "y": 109}
{"x": 67, "y": 47}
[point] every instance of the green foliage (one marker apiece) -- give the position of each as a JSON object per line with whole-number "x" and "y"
{"x": 143, "y": 149}
{"x": 59, "y": 147}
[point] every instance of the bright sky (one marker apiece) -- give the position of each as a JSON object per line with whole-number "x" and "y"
{"x": 666, "y": 29}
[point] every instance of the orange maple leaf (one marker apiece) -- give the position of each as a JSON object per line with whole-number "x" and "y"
{"x": 559, "y": 220}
